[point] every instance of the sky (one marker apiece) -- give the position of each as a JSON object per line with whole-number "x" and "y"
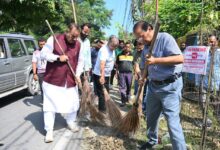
{"x": 118, "y": 7}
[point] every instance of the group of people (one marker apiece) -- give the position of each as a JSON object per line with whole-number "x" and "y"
{"x": 104, "y": 62}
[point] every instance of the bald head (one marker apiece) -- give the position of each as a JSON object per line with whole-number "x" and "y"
{"x": 113, "y": 42}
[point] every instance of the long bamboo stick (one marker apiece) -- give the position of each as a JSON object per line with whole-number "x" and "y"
{"x": 74, "y": 11}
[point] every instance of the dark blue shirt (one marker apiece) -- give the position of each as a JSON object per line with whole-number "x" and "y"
{"x": 94, "y": 54}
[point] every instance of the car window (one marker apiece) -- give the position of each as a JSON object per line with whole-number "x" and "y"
{"x": 30, "y": 46}
{"x": 2, "y": 49}
{"x": 16, "y": 48}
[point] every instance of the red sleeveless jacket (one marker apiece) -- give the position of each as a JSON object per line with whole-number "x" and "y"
{"x": 58, "y": 73}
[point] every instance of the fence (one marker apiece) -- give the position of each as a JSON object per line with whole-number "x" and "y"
{"x": 193, "y": 113}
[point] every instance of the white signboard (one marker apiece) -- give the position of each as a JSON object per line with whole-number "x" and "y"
{"x": 195, "y": 59}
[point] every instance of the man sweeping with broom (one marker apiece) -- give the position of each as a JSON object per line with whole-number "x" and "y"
{"x": 165, "y": 84}
{"x": 103, "y": 67}
{"x": 59, "y": 85}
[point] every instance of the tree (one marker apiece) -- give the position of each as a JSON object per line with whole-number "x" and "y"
{"x": 29, "y": 16}
{"x": 181, "y": 16}
{"x": 123, "y": 34}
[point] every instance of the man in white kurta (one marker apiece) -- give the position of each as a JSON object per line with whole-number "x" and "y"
{"x": 85, "y": 47}
{"x": 60, "y": 96}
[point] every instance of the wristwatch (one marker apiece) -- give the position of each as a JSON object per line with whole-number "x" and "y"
{"x": 58, "y": 59}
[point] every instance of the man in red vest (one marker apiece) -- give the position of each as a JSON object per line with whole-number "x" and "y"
{"x": 60, "y": 88}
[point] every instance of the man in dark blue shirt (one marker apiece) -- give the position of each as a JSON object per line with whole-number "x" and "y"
{"x": 95, "y": 50}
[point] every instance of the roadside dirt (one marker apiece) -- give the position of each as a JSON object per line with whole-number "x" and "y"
{"x": 99, "y": 137}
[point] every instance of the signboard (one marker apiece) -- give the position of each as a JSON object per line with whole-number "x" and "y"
{"x": 195, "y": 59}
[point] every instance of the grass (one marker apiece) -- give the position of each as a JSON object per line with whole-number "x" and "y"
{"x": 190, "y": 113}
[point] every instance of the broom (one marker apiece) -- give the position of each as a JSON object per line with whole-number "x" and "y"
{"x": 131, "y": 121}
{"x": 86, "y": 90}
{"x": 113, "y": 111}
{"x": 95, "y": 114}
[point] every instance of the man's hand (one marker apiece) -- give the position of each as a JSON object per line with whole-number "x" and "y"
{"x": 141, "y": 81}
{"x": 150, "y": 60}
{"x": 35, "y": 77}
{"x": 102, "y": 80}
{"x": 63, "y": 58}
{"x": 78, "y": 80}
{"x": 116, "y": 75}
{"x": 137, "y": 75}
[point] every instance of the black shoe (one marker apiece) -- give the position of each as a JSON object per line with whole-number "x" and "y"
{"x": 122, "y": 104}
{"x": 147, "y": 145}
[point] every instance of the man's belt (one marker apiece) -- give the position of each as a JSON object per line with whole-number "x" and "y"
{"x": 168, "y": 80}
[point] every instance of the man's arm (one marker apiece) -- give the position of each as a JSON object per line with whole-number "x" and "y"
{"x": 170, "y": 60}
{"x": 137, "y": 71}
{"x": 47, "y": 52}
{"x": 34, "y": 66}
{"x": 89, "y": 56}
{"x": 102, "y": 71}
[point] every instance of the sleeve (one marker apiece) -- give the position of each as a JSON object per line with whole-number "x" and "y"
{"x": 89, "y": 56}
{"x": 80, "y": 64}
{"x": 103, "y": 55}
{"x": 34, "y": 58}
{"x": 142, "y": 63}
{"x": 47, "y": 51}
{"x": 170, "y": 46}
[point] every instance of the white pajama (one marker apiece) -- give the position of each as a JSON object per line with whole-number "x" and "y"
{"x": 49, "y": 118}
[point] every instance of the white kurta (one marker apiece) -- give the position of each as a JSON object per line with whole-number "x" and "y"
{"x": 60, "y": 99}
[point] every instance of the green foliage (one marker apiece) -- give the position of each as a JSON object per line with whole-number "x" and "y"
{"x": 29, "y": 16}
{"x": 181, "y": 16}
{"x": 123, "y": 34}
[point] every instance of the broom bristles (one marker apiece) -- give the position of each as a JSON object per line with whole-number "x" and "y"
{"x": 130, "y": 122}
{"x": 114, "y": 112}
{"x": 86, "y": 92}
{"x": 96, "y": 115}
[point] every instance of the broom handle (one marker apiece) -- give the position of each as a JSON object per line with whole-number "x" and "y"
{"x": 140, "y": 87}
{"x": 68, "y": 63}
{"x": 74, "y": 12}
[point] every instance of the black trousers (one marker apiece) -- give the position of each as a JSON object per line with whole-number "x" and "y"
{"x": 99, "y": 91}
{"x": 113, "y": 72}
{"x": 40, "y": 79}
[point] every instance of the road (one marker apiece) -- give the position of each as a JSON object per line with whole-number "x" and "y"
{"x": 21, "y": 126}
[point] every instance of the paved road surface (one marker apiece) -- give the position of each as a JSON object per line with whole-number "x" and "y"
{"x": 21, "y": 126}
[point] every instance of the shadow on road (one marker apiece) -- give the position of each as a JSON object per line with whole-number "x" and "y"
{"x": 36, "y": 100}
{"x": 37, "y": 120}
{"x": 12, "y": 98}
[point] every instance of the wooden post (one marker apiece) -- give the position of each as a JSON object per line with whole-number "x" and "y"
{"x": 157, "y": 5}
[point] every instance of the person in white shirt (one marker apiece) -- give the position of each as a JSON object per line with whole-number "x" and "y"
{"x": 103, "y": 67}
{"x": 85, "y": 47}
{"x": 38, "y": 64}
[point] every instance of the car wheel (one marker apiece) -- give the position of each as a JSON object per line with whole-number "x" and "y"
{"x": 33, "y": 86}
